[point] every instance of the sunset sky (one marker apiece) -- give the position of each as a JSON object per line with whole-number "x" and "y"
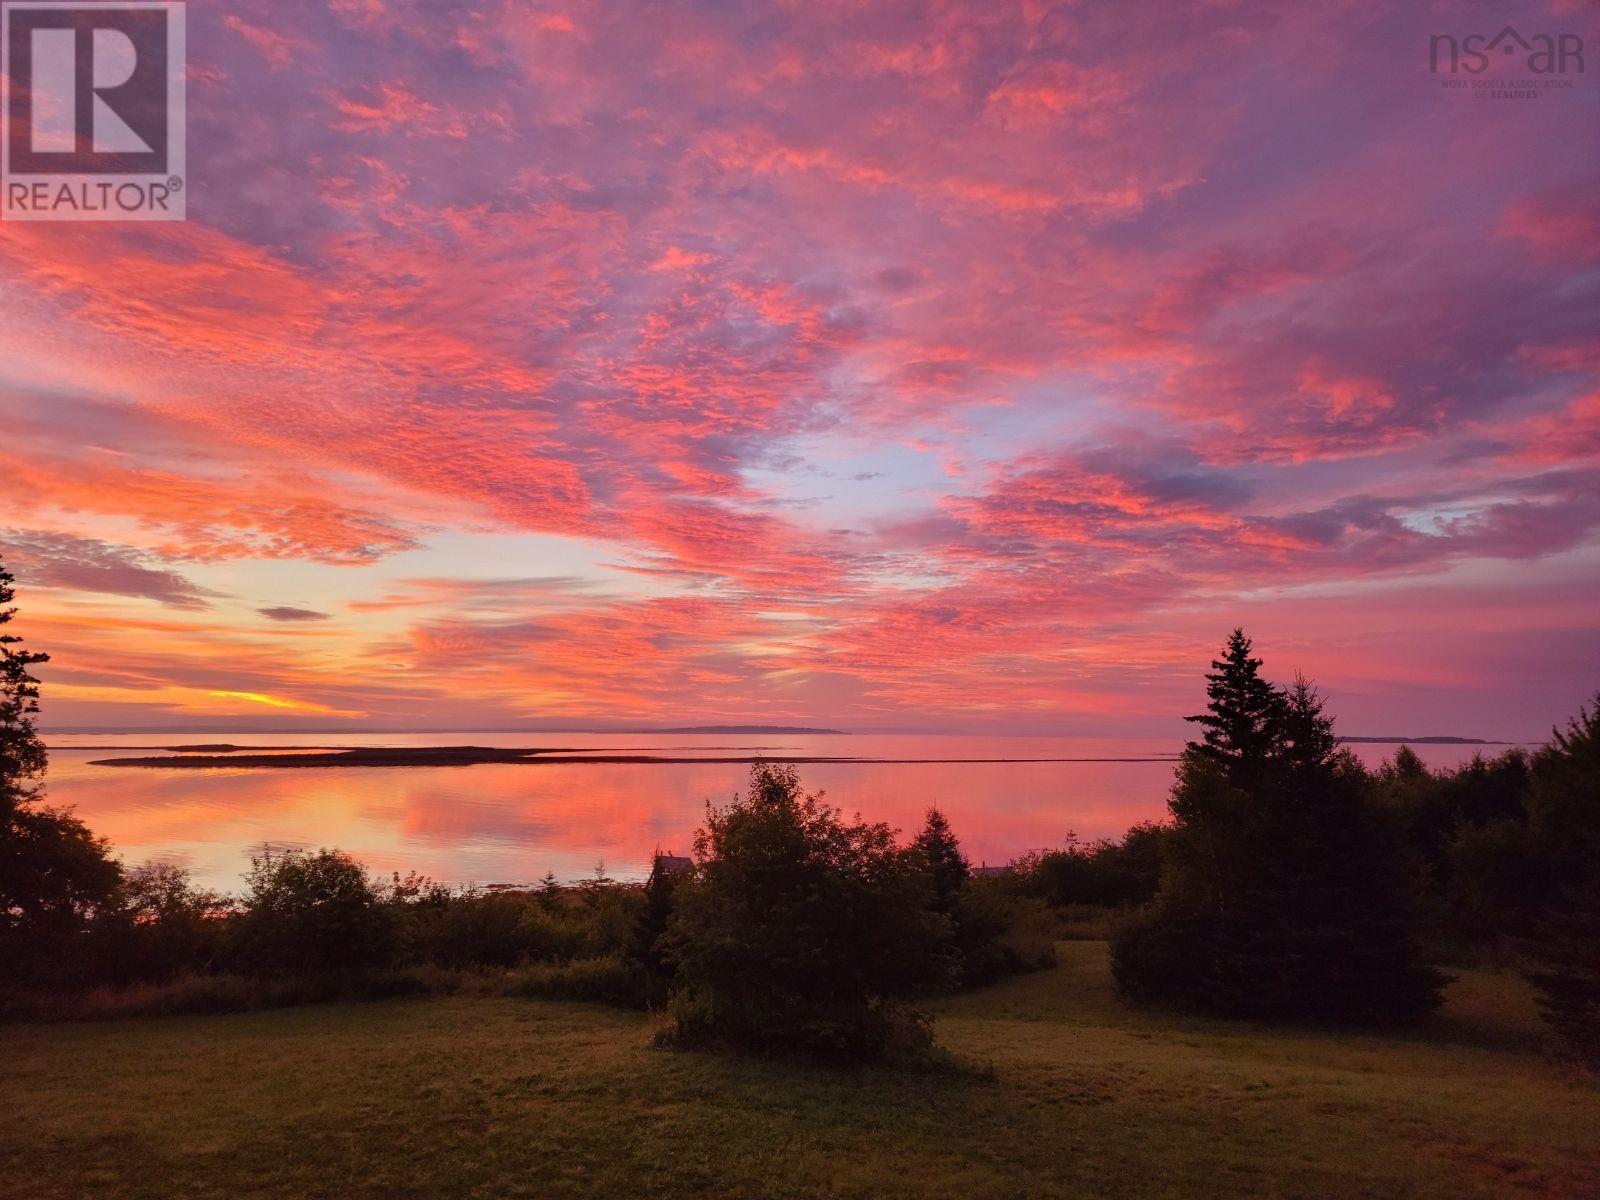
{"x": 879, "y": 365}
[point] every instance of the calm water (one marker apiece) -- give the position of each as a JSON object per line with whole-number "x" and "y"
{"x": 506, "y": 823}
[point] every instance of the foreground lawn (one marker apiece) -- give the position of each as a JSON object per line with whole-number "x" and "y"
{"x": 1058, "y": 1091}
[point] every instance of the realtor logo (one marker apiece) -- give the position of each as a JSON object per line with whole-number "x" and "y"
{"x": 93, "y": 112}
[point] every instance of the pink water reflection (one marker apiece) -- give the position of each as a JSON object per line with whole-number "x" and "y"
{"x": 511, "y": 823}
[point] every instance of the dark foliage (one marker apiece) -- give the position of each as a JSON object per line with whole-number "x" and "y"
{"x": 473, "y": 929}
{"x": 606, "y": 979}
{"x": 56, "y": 881}
{"x": 1105, "y": 872}
{"x": 1564, "y": 945}
{"x": 1443, "y": 815}
{"x": 646, "y": 948}
{"x": 1243, "y": 723}
{"x": 159, "y": 926}
{"x": 56, "y": 877}
{"x": 937, "y": 852}
{"x": 802, "y": 931}
{"x": 310, "y": 912}
{"x": 22, "y": 753}
{"x": 985, "y": 923}
{"x": 1283, "y": 895}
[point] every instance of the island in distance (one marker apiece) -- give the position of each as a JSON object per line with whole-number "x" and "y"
{"x": 1424, "y": 741}
{"x": 741, "y": 729}
{"x": 227, "y": 754}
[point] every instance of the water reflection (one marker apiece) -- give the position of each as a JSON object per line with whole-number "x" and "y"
{"x": 511, "y": 823}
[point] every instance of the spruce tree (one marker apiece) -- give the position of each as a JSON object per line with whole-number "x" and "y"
{"x": 1564, "y": 949}
{"x": 54, "y": 874}
{"x": 1242, "y": 720}
{"x": 939, "y": 854}
{"x": 1282, "y": 894}
{"x": 22, "y": 753}
{"x": 644, "y": 953}
{"x": 1324, "y": 925}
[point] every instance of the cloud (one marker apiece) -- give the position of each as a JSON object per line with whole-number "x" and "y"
{"x": 58, "y": 560}
{"x": 286, "y": 612}
{"x": 884, "y": 359}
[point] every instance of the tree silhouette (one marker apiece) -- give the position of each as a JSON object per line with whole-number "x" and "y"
{"x": 55, "y": 875}
{"x": 1283, "y": 893}
{"x": 22, "y": 753}
{"x": 940, "y": 855}
{"x": 1243, "y": 718}
{"x": 1564, "y": 951}
{"x": 801, "y": 930}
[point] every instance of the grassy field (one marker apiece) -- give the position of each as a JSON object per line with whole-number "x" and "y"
{"x": 1056, "y": 1090}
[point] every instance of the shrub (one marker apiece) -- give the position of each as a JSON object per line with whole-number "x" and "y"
{"x": 1162, "y": 956}
{"x": 991, "y": 931}
{"x": 160, "y": 925}
{"x": 608, "y": 980}
{"x": 801, "y": 931}
{"x": 1496, "y": 881}
{"x": 1105, "y": 872}
{"x": 479, "y": 930}
{"x": 999, "y": 933}
{"x": 56, "y": 881}
{"x": 55, "y": 876}
{"x": 308, "y": 912}
{"x": 1565, "y": 969}
{"x": 220, "y": 993}
{"x": 646, "y": 947}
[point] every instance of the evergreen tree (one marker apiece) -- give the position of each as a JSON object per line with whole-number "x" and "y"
{"x": 1282, "y": 895}
{"x": 939, "y": 854}
{"x": 1564, "y": 967}
{"x": 54, "y": 874}
{"x": 22, "y": 753}
{"x": 1242, "y": 721}
{"x": 645, "y": 949}
{"x": 1306, "y": 738}
{"x": 1564, "y": 950}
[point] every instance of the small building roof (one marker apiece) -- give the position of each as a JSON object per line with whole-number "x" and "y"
{"x": 672, "y": 864}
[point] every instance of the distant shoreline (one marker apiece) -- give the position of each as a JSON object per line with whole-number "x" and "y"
{"x": 1426, "y": 741}
{"x": 520, "y": 731}
{"x": 229, "y": 755}
{"x": 467, "y": 756}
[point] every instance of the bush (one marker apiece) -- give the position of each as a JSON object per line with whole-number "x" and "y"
{"x": 801, "y": 931}
{"x": 159, "y": 925}
{"x": 999, "y": 933}
{"x": 56, "y": 881}
{"x": 646, "y": 946}
{"x": 1565, "y": 970}
{"x": 837, "y": 1030}
{"x": 1496, "y": 882}
{"x": 220, "y": 993}
{"x": 1161, "y": 956}
{"x": 1104, "y": 873}
{"x": 474, "y": 930}
{"x": 608, "y": 980}
{"x": 308, "y": 912}
{"x": 984, "y": 942}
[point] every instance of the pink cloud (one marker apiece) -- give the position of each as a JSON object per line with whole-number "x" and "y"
{"x": 893, "y": 359}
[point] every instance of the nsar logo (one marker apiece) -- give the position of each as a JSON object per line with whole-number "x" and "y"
{"x": 1542, "y": 54}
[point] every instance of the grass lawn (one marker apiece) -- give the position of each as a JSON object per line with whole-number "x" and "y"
{"x": 1058, "y": 1091}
